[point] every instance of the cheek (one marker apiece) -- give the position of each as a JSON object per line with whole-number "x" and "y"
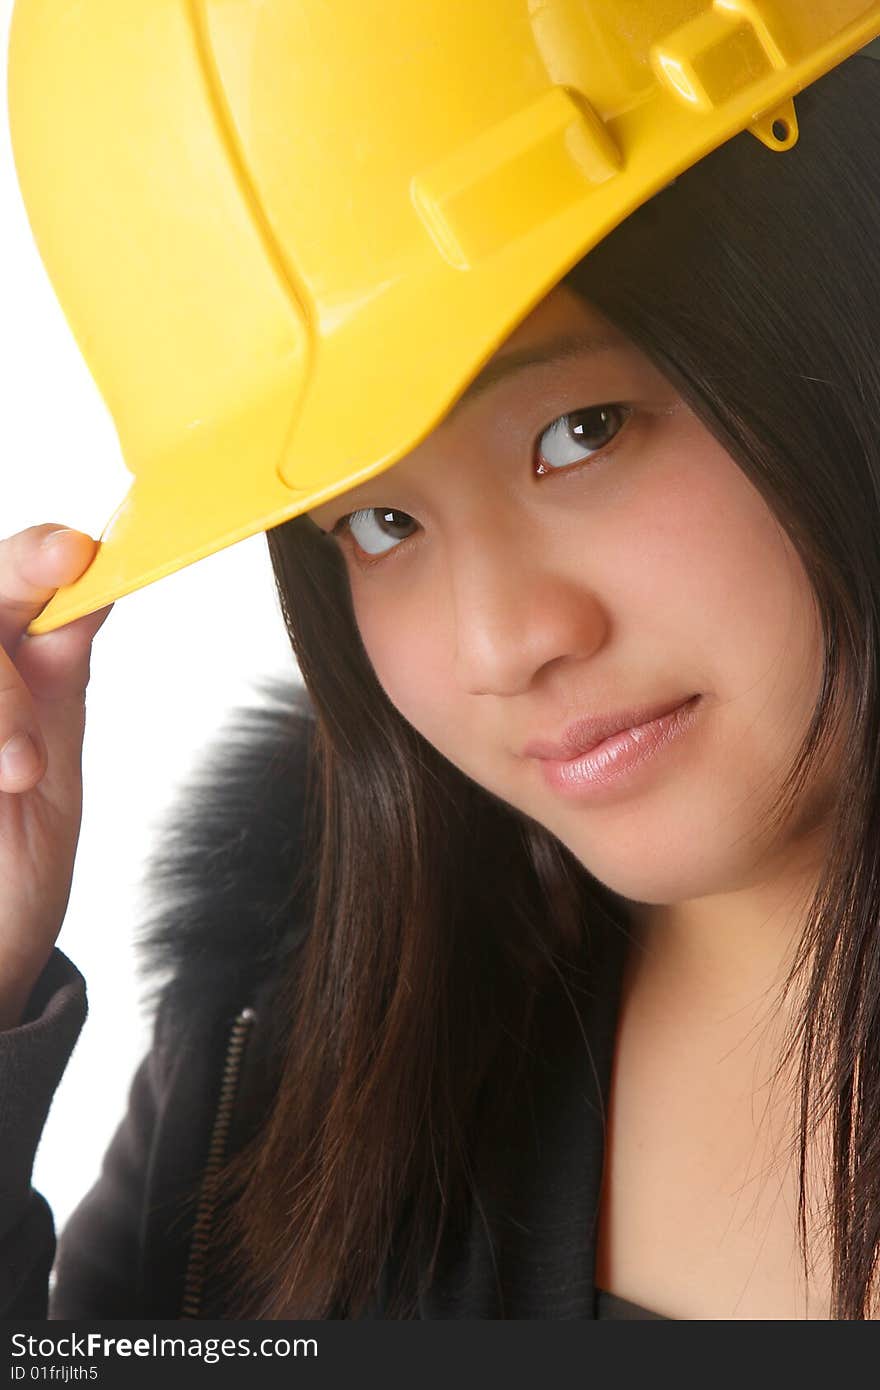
{"x": 709, "y": 595}
{"x": 413, "y": 662}
{"x": 717, "y": 581}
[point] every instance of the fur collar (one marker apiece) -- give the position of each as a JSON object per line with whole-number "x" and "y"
{"x": 222, "y": 906}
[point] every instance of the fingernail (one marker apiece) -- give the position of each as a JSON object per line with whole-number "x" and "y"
{"x": 54, "y": 536}
{"x": 19, "y": 758}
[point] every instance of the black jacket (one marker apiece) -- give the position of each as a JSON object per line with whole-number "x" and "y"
{"x": 215, "y": 950}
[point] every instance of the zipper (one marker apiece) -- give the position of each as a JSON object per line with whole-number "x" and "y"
{"x": 207, "y": 1203}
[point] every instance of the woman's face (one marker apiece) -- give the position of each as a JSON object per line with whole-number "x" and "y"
{"x": 570, "y": 542}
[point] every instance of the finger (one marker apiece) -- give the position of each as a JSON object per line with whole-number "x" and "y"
{"x": 33, "y": 564}
{"x": 23, "y": 752}
{"x": 42, "y": 699}
{"x": 56, "y": 665}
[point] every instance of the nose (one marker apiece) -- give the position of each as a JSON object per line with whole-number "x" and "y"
{"x": 517, "y": 608}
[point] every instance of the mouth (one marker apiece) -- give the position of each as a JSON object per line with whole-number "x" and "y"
{"x": 611, "y": 766}
{"x": 584, "y": 735}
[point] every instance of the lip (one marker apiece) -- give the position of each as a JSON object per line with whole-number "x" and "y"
{"x": 585, "y": 734}
{"x": 613, "y": 760}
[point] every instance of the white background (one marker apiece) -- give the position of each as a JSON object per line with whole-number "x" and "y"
{"x": 169, "y": 664}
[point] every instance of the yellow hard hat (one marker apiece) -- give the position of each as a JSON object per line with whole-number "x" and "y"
{"x": 286, "y": 234}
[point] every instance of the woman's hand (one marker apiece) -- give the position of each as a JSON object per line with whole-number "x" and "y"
{"x": 43, "y": 681}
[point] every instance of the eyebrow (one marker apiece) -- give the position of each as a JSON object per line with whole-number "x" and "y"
{"x": 551, "y": 351}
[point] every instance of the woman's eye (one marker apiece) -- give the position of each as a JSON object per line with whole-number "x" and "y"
{"x": 375, "y": 529}
{"x": 572, "y": 438}
{"x": 569, "y": 439}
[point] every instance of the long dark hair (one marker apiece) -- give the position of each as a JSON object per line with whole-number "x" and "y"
{"x": 440, "y": 915}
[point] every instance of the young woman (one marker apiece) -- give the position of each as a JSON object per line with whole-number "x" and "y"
{"x": 577, "y": 991}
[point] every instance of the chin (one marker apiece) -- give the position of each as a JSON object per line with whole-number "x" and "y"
{"x": 660, "y": 876}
